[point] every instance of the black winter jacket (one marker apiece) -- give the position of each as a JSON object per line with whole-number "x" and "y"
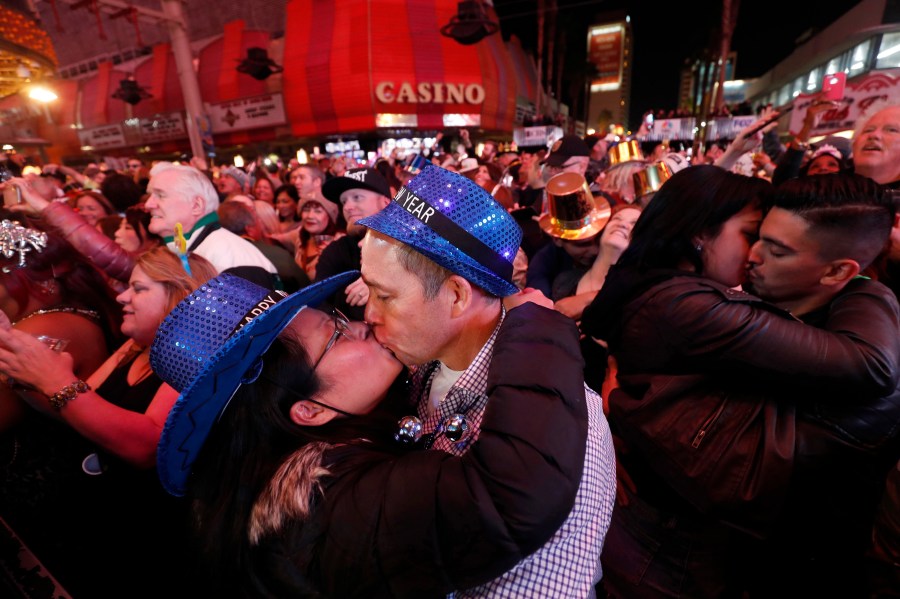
{"x": 425, "y": 523}
{"x": 672, "y": 331}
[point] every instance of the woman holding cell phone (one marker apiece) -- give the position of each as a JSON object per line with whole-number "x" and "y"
{"x": 89, "y": 438}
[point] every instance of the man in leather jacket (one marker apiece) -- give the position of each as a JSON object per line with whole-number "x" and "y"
{"x": 832, "y": 441}
{"x": 808, "y": 257}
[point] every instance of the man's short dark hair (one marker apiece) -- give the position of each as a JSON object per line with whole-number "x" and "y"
{"x": 314, "y": 171}
{"x": 236, "y": 216}
{"x": 850, "y": 215}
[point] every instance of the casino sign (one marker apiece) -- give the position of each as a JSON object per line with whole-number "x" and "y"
{"x": 437, "y": 92}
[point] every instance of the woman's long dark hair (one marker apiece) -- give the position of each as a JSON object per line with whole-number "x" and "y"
{"x": 695, "y": 202}
{"x": 251, "y": 440}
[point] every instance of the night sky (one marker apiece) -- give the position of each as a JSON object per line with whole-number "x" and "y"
{"x": 665, "y": 36}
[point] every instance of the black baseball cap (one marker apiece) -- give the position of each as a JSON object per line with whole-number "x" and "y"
{"x": 564, "y": 148}
{"x": 356, "y": 178}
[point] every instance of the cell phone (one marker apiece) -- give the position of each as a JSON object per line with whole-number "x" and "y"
{"x": 12, "y": 196}
{"x": 11, "y": 193}
{"x": 833, "y": 86}
{"x": 767, "y": 122}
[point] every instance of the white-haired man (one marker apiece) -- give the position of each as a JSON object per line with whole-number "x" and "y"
{"x": 182, "y": 195}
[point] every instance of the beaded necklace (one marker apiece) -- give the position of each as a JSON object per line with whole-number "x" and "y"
{"x": 91, "y": 314}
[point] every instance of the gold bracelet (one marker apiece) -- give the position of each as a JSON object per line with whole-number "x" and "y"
{"x": 67, "y": 394}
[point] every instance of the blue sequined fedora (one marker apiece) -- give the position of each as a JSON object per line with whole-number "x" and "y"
{"x": 209, "y": 345}
{"x": 457, "y": 224}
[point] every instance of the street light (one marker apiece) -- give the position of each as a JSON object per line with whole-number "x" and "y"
{"x": 42, "y": 94}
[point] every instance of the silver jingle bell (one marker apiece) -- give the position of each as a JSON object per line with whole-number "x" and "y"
{"x": 410, "y": 430}
{"x": 456, "y": 428}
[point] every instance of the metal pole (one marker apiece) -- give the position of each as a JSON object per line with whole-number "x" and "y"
{"x": 729, "y": 20}
{"x": 540, "y": 60}
{"x": 184, "y": 61}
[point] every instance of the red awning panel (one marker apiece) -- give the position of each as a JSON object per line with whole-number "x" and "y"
{"x": 298, "y": 27}
{"x": 499, "y": 110}
{"x": 319, "y": 56}
{"x": 344, "y": 66}
{"x": 351, "y": 86}
{"x": 427, "y": 62}
{"x": 62, "y": 112}
{"x": 159, "y": 76}
{"x": 393, "y": 53}
{"x": 95, "y": 96}
{"x": 219, "y": 79}
{"x": 525, "y": 69}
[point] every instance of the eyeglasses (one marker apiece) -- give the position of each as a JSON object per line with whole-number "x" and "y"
{"x": 135, "y": 165}
{"x": 341, "y": 327}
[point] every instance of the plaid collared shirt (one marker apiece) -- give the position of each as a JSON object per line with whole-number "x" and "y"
{"x": 568, "y": 565}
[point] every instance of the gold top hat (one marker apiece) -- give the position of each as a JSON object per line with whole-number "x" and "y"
{"x": 573, "y": 213}
{"x": 625, "y": 151}
{"x": 650, "y": 179}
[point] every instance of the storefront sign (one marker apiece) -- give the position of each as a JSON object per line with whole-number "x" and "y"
{"x": 247, "y": 113}
{"x": 340, "y": 147}
{"x": 536, "y": 136}
{"x": 389, "y": 92}
{"x": 163, "y": 127}
{"x": 99, "y": 138}
{"x": 135, "y": 132}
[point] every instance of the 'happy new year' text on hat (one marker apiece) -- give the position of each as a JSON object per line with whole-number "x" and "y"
{"x": 211, "y": 344}
{"x": 356, "y": 178}
{"x": 453, "y": 221}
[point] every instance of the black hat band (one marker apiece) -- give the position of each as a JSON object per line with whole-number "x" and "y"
{"x": 438, "y": 222}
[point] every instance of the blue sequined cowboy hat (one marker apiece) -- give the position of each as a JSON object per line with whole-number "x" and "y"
{"x": 453, "y": 221}
{"x": 209, "y": 345}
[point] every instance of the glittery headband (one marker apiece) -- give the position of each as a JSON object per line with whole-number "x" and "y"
{"x": 16, "y": 239}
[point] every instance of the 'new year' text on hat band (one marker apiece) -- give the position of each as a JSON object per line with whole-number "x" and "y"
{"x": 456, "y": 235}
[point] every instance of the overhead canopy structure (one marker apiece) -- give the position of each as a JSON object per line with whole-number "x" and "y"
{"x": 26, "y": 52}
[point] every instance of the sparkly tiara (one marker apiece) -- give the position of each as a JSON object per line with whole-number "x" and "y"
{"x": 16, "y": 239}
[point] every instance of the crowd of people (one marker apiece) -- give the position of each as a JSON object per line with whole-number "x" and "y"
{"x": 593, "y": 368}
